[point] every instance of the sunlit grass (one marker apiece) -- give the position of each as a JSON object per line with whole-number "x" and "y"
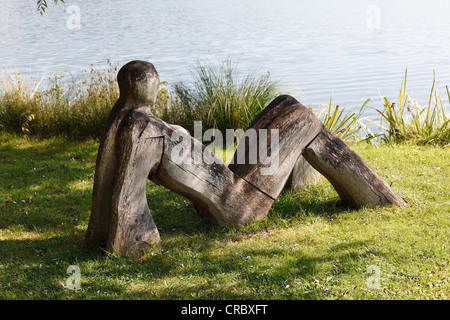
{"x": 408, "y": 121}
{"x": 310, "y": 246}
{"x": 52, "y": 107}
{"x": 220, "y": 97}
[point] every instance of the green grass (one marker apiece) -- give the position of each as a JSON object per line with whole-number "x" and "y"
{"x": 407, "y": 121}
{"x": 220, "y": 97}
{"x": 346, "y": 125}
{"x": 310, "y": 246}
{"x": 49, "y": 107}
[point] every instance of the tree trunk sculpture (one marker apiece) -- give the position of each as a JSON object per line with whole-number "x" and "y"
{"x": 137, "y": 146}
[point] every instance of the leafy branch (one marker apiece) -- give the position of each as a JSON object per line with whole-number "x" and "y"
{"x": 42, "y": 5}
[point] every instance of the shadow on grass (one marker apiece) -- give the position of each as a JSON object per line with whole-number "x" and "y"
{"x": 45, "y": 184}
{"x": 37, "y": 268}
{"x": 173, "y": 213}
{"x": 40, "y": 272}
{"x": 46, "y": 193}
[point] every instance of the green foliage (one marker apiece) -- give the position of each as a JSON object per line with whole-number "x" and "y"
{"x": 407, "y": 121}
{"x": 42, "y": 5}
{"x": 347, "y": 126}
{"x": 220, "y": 97}
{"x": 78, "y": 110}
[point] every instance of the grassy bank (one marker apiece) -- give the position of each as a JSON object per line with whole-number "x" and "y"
{"x": 218, "y": 96}
{"x": 56, "y": 106}
{"x": 308, "y": 247}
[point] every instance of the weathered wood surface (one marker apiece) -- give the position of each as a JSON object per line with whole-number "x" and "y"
{"x": 355, "y": 182}
{"x": 146, "y": 145}
{"x": 132, "y": 228}
{"x": 219, "y": 195}
{"x": 296, "y": 125}
{"x": 302, "y": 175}
{"x": 137, "y": 146}
{"x": 138, "y": 83}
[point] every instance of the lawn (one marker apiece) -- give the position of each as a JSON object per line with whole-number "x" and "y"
{"x": 310, "y": 246}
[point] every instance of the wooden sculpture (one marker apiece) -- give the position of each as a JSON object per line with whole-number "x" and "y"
{"x": 137, "y": 146}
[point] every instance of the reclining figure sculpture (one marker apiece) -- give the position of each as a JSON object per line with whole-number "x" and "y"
{"x": 137, "y": 146}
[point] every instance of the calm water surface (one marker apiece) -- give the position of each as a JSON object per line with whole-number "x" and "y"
{"x": 351, "y": 48}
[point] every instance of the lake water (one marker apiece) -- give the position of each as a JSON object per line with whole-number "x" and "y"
{"x": 351, "y": 48}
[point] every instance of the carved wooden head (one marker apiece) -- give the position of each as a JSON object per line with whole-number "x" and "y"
{"x": 138, "y": 83}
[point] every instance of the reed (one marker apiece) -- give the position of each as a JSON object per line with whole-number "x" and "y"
{"x": 347, "y": 125}
{"x": 220, "y": 97}
{"x": 51, "y": 107}
{"x": 407, "y": 121}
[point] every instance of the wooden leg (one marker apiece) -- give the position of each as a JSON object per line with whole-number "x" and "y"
{"x": 303, "y": 175}
{"x": 219, "y": 195}
{"x": 355, "y": 182}
{"x": 296, "y": 125}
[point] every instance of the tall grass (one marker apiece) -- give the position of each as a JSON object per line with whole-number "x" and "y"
{"x": 220, "y": 97}
{"x": 407, "y": 121}
{"x": 347, "y": 125}
{"x": 76, "y": 110}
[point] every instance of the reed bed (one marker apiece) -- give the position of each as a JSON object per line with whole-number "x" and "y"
{"x": 407, "y": 121}
{"x": 50, "y": 107}
{"x": 218, "y": 96}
